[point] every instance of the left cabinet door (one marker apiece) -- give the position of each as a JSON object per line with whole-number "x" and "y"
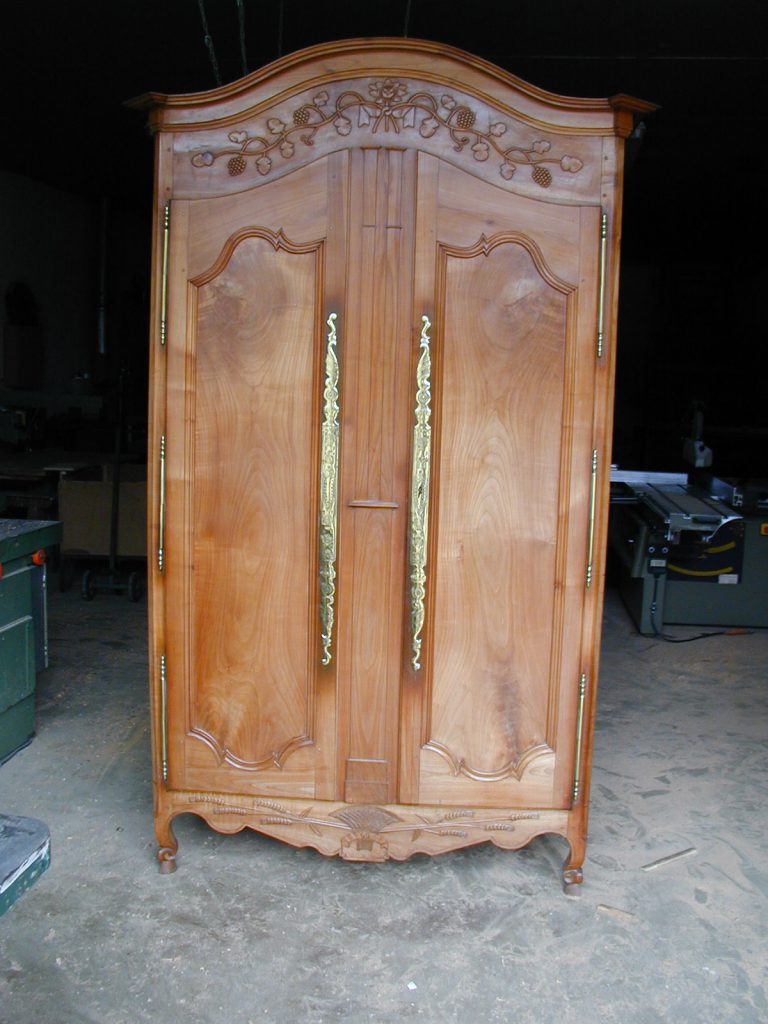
{"x": 250, "y": 708}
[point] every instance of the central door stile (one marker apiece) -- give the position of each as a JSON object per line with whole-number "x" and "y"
{"x": 373, "y": 488}
{"x": 332, "y": 327}
{"x": 414, "y": 711}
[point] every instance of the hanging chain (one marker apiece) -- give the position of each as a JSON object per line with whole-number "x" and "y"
{"x": 209, "y": 42}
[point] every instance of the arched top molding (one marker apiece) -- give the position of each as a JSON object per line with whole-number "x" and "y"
{"x": 442, "y": 65}
{"x": 484, "y": 246}
{"x": 277, "y": 240}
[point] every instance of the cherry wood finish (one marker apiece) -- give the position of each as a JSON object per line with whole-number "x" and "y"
{"x": 383, "y": 181}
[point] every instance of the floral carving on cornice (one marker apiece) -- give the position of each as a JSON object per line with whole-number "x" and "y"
{"x": 389, "y": 107}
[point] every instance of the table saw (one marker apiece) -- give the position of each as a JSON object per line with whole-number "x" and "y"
{"x": 690, "y": 551}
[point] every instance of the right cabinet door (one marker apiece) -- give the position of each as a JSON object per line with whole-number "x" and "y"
{"x": 511, "y": 285}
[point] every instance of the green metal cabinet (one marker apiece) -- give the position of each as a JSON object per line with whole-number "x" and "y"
{"x": 23, "y": 625}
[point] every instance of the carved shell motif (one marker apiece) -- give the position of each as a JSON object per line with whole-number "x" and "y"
{"x": 389, "y": 107}
{"x": 366, "y": 818}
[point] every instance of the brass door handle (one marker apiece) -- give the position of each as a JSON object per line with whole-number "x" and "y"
{"x": 422, "y": 446}
{"x": 329, "y": 485}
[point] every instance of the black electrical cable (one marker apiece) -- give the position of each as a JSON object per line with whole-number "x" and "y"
{"x": 241, "y": 21}
{"x": 209, "y": 42}
{"x": 407, "y": 19}
{"x": 280, "y": 26}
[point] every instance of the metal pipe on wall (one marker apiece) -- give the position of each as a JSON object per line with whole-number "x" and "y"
{"x": 102, "y": 306}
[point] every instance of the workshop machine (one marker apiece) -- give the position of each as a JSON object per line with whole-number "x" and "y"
{"x": 690, "y": 551}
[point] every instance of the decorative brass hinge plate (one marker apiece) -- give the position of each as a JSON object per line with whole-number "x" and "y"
{"x": 329, "y": 485}
{"x": 422, "y": 444}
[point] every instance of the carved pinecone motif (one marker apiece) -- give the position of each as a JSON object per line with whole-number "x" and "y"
{"x": 236, "y": 165}
{"x": 542, "y": 176}
{"x": 366, "y": 818}
{"x": 465, "y": 118}
{"x": 301, "y": 116}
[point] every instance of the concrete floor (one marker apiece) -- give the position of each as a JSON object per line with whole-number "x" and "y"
{"x": 249, "y": 930}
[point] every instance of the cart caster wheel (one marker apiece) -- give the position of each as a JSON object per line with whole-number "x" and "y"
{"x": 88, "y": 587}
{"x": 134, "y": 587}
{"x": 66, "y": 575}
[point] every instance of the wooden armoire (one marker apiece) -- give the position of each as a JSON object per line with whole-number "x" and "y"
{"x": 385, "y": 283}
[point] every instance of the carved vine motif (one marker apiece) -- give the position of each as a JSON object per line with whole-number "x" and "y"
{"x": 389, "y": 108}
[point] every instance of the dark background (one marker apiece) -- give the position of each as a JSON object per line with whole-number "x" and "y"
{"x": 692, "y": 327}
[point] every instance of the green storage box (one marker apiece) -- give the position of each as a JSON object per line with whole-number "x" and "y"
{"x": 23, "y": 625}
{"x": 25, "y": 853}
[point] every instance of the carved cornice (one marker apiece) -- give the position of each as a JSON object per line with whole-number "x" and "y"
{"x": 388, "y": 56}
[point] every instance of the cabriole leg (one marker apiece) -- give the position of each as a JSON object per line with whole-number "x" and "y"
{"x": 573, "y": 876}
{"x": 168, "y": 846}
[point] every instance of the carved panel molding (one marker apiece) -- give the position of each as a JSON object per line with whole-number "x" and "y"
{"x": 273, "y": 759}
{"x": 276, "y": 239}
{"x": 514, "y": 769}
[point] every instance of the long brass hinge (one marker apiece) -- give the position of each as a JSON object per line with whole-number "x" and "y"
{"x": 161, "y": 529}
{"x": 601, "y": 285}
{"x": 592, "y": 512}
{"x": 164, "y": 279}
{"x": 579, "y": 737}
{"x": 164, "y": 717}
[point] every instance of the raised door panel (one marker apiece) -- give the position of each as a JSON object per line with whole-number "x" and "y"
{"x": 243, "y": 464}
{"x": 509, "y": 520}
{"x": 253, "y": 470}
